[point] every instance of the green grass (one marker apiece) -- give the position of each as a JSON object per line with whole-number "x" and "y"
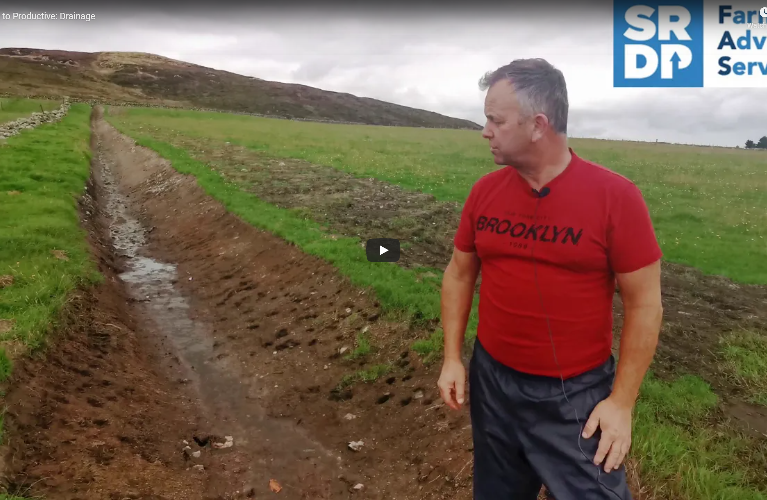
{"x": 681, "y": 456}
{"x": 43, "y": 173}
{"x": 363, "y": 348}
{"x": 745, "y": 355}
{"x": 366, "y": 376}
{"x": 704, "y": 201}
{"x": 12, "y": 109}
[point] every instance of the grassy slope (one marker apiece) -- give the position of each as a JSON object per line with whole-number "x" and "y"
{"x": 704, "y": 201}
{"x": 44, "y": 171}
{"x": 13, "y": 109}
{"x": 680, "y": 456}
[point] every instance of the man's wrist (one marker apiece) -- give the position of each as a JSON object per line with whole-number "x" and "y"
{"x": 451, "y": 356}
{"x": 623, "y": 398}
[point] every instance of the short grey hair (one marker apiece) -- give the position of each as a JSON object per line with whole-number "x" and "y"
{"x": 540, "y": 87}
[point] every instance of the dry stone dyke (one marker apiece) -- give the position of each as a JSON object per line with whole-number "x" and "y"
{"x": 15, "y": 127}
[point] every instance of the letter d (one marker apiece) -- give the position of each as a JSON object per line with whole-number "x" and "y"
{"x": 632, "y": 53}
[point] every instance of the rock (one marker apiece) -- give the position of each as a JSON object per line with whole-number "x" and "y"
{"x": 356, "y": 445}
{"x": 229, "y": 443}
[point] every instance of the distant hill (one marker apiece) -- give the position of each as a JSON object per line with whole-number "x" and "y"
{"x": 150, "y": 79}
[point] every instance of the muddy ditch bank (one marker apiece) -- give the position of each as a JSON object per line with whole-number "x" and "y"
{"x": 210, "y": 365}
{"x": 699, "y": 310}
{"x": 92, "y": 416}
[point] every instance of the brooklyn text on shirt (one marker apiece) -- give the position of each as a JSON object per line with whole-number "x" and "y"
{"x": 514, "y": 228}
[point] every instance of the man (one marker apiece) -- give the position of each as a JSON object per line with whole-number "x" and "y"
{"x": 553, "y": 234}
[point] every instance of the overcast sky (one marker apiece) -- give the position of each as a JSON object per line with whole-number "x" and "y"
{"x": 430, "y": 59}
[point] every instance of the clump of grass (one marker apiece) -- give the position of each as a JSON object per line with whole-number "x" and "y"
{"x": 369, "y": 375}
{"x": 44, "y": 249}
{"x": 363, "y": 348}
{"x": 745, "y": 354}
{"x": 5, "y": 366}
{"x": 430, "y": 348}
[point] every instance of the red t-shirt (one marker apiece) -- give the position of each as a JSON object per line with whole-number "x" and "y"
{"x": 592, "y": 224}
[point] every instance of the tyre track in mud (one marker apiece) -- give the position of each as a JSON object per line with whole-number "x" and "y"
{"x": 260, "y": 327}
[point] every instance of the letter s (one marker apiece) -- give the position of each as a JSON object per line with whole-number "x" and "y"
{"x": 646, "y": 25}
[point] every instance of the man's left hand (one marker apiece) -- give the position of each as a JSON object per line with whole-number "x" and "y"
{"x": 614, "y": 419}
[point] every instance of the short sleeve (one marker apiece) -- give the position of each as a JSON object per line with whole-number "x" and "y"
{"x": 631, "y": 239}
{"x": 464, "y": 236}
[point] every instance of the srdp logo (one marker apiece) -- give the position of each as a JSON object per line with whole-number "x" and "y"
{"x": 658, "y": 44}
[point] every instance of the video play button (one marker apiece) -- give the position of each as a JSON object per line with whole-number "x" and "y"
{"x": 382, "y": 250}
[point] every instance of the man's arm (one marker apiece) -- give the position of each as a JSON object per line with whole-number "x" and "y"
{"x": 642, "y": 317}
{"x": 635, "y": 257}
{"x": 458, "y": 284}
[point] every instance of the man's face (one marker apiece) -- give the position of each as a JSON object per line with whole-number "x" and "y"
{"x": 508, "y": 131}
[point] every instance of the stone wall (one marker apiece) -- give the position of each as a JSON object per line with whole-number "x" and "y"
{"x": 104, "y": 102}
{"x": 9, "y": 129}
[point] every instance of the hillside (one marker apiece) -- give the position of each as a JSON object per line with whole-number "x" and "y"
{"x": 151, "y": 79}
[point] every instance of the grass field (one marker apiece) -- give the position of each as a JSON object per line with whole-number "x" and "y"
{"x": 705, "y": 202}
{"x": 44, "y": 255}
{"x": 709, "y": 206}
{"x": 12, "y": 109}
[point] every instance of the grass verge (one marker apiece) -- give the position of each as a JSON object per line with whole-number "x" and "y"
{"x": 44, "y": 255}
{"x": 13, "y": 109}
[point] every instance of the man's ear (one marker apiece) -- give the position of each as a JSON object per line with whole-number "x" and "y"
{"x": 540, "y": 126}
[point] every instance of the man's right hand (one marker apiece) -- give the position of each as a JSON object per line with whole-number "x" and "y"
{"x": 452, "y": 383}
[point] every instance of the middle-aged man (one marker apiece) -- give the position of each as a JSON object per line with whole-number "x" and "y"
{"x": 552, "y": 234}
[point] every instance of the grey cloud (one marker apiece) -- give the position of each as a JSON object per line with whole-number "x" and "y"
{"x": 705, "y": 116}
